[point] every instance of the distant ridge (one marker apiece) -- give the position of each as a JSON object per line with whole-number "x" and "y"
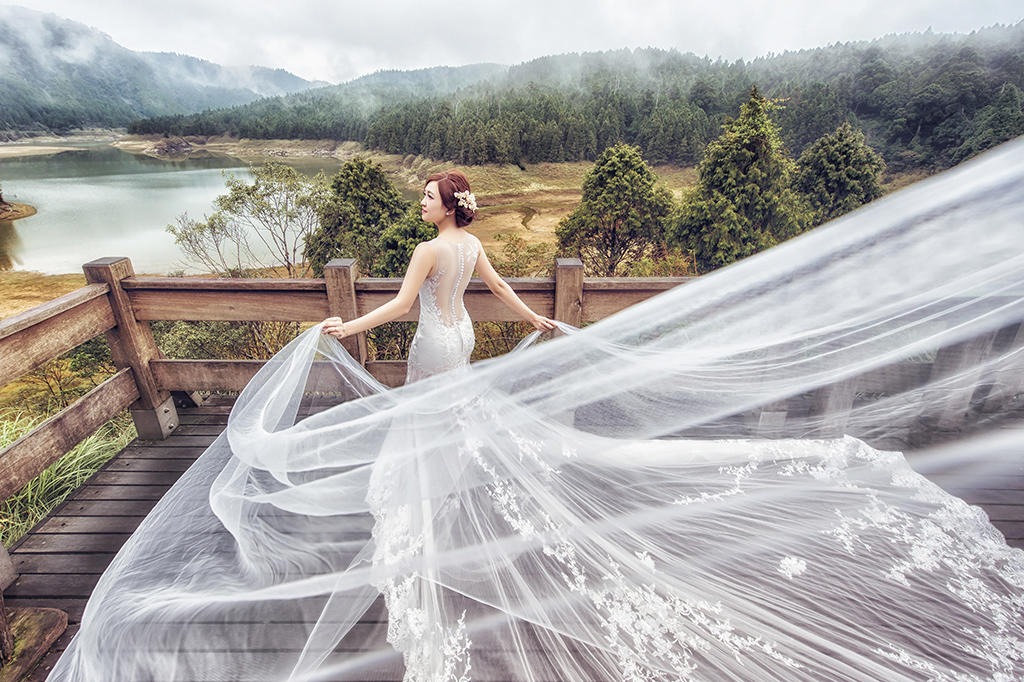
{"x": 924, "y": 101}
{"x": 57, "y": 74}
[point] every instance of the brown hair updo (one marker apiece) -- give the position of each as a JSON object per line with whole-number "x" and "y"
{"x": 448, "y": 183}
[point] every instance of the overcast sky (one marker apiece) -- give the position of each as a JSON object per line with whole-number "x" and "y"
{"x": 339, "y": 40}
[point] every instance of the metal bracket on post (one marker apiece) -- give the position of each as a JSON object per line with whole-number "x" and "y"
{"x": 132, "y": 345}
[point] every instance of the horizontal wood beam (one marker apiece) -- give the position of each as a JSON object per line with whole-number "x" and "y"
{"x": 27, "y": 457}
{"x": 45, "y": 311}
{"x": 388, "y": 372}
{"x": 39, "y": 335}
{"x": 233, "y": 375}
{"x": 305, "y": 300}
{"x": 204, "y": 375}
{"x": 649, "y": 285}
{"x": 237, "y": 305}
{"x": 138, "y": 283}
{"x": 602, "y": 299}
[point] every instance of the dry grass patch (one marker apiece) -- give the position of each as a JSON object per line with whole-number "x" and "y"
{"x": 21, "y": 290}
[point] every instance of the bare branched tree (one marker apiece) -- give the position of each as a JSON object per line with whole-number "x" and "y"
{"x": 260, "y": 227}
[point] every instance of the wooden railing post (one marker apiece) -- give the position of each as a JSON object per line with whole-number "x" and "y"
{"x": 7, "y": 573}
{"x": 132, "y": 345}
{"x": 7, "y": 576}
{"x": 6, "y": 636}
{"x": 340, "y": 276}
{"x": 831, "y": 405}
{"x": 569, "y": 291}
{"x": 957, "y": 364}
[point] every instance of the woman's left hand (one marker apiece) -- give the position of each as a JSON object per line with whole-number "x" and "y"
{"x": 334, "y": 326}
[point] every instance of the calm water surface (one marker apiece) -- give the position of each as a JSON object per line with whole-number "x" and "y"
{"x": 99, "y": 201}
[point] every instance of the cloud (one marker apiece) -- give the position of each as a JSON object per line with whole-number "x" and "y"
{"x": 337, "y": 41}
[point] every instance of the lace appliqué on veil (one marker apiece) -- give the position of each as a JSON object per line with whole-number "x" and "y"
{"x": 431, "y": 651}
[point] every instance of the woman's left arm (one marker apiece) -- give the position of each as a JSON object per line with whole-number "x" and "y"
{"x": 503, "y": 291}
{"x": 419, "y": 267}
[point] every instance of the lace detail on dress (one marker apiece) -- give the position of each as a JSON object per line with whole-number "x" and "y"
{"x": 433, "y": 651}
{"x": 444, "y": 336}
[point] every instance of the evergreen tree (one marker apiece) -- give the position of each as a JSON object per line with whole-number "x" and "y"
{"x": 397, "y": 242}
{"x": 998, "y": 122}
{"x": 744, "y": 201}
{"x": 838, "y": 173}
{"x": 362, "y": 203}
{"x": 621, "y": 215}
{"x": 808, "y": 114}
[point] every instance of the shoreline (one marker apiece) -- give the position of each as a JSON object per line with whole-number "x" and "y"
{"x": 20, "y": 211}
{"x": 15, "y": 151}
{"x": 44, "y": 145}
{"x": 173, "y": 148}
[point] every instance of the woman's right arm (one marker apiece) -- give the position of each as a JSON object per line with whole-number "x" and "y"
{"x": 503, "y": 291}
{"x": 420, "y": 265}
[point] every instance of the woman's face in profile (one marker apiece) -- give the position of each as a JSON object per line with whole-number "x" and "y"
{"x": 431, "y": 208}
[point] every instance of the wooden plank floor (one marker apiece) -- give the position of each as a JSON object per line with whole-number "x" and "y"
{"x": 61, "y": 559}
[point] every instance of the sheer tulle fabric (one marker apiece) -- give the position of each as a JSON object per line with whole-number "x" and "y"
{"x": 595, "y": 507}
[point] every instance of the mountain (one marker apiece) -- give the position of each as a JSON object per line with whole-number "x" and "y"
{"x": 340, "y": 112}
{"x": 924, "y": 100}
{"x": 57, "y": 74}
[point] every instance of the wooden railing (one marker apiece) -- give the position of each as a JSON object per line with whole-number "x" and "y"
{"x": 119, "y": 304}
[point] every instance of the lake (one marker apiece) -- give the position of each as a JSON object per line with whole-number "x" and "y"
{"x": 97, "y": 201}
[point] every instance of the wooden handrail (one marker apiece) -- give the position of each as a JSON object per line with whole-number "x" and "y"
{"x": 121, "y": 304}
{"x": 41, "y": 313}
{"x": 39, "y": 335}
{"x": 22, "y": 460}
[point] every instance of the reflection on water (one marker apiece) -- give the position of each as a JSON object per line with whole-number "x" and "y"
{"x": 100, "y": 201}
{"x": 9, "y": 245}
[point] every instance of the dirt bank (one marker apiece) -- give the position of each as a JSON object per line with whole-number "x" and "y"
{"x": 14, "y": 211}
{"x": 10, "y": 151}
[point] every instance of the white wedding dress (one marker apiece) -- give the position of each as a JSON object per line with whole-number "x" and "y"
{"x": 597, "y": 506}
{"x": 444, "y": 336}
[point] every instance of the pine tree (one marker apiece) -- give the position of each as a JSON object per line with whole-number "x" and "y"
{"x": 621, "y": 215}
{"x": 397, "y": 242}
{"x": 362, "y": 203}
{"x": 744, "y": 200}
{"x": 998, "y": 122}
{"x": 838, "y": 173}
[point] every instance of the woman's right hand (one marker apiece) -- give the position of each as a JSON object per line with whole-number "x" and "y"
{"x": 542, "y": 323}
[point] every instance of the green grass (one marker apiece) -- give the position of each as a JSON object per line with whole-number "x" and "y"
{"x": 33, "y": 502}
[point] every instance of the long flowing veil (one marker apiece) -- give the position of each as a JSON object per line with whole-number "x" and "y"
{"x": 709, "y": 485}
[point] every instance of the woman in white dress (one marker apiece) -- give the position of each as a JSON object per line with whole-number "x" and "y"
{"x": 597, "y": 508}
{"x": 438, "y": 274}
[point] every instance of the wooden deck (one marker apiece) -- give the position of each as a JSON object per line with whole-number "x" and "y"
{"x": 61, "y": 559}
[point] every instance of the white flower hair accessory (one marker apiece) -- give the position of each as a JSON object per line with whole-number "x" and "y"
{"x": 466, "y": 200}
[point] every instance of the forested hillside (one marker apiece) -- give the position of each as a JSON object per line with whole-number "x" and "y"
{"x": 923, "y": 100}
{"x": 57, "y": 74}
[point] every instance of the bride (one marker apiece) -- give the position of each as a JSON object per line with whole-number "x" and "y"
{"x": 600, "y": 506}
{"x": 438, "y": 273}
